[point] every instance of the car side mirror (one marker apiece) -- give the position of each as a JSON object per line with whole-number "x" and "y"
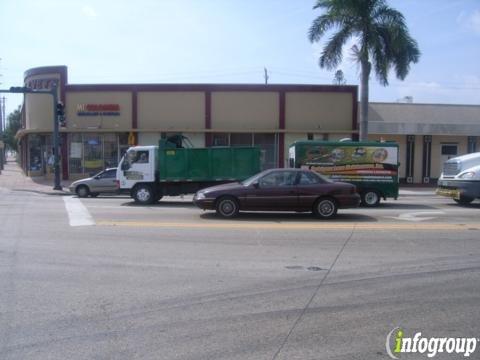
{"x": 97, "y": 177}
{"x": 256, "y": 185}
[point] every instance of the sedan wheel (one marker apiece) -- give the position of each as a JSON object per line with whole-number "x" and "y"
{"x": 82, "y": 191}
{"x": 227, "y": 207}
{"x": 325, "y": 208}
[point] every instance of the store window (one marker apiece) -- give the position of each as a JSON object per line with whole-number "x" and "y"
{"x": 122, "y": 144}
{"x": 91, "y": 153}
{"x": 35, "y": 153}
{"x": 93, "y": 157}
{"x": 220, "y": 139}
{"x": 75, "y": 161}
{"x": 267, "y": 145}
{"x": 110, "y": 147}
{"x": 266, "y": 142}
{"x": 241, "y": 139}
{"x": 449, "y": 149}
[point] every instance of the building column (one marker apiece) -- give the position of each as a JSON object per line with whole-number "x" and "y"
{"x": 427, "y": 158}
{"x": 281, "y": 126}
{"x": 410, "y": 161}
{"x": 208, "y": 118}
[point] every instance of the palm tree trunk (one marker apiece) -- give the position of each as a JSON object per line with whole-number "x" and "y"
{"x": 363, "y": 130}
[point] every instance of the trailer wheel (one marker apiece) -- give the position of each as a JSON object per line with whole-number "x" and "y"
{"x": 325, "y": 208}
{"x": 227, "y": 207}
{"x": 370, "y": 198}
{"x": 143, "y": 194}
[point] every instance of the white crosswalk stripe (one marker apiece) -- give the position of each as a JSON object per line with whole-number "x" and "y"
{"x": 78, "y": 215}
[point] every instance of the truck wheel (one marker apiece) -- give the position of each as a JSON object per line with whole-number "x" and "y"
{"x": 325, "y": 208}
{"x": 227, "y": 207}
{"x": 82, "y": 191}
{"x": 370, "y": 198}
{"x": 464, "y": 200}
{"x": 143, "y": 194}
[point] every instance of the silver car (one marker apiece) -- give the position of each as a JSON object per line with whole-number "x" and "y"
{"x": 103, "y": 182}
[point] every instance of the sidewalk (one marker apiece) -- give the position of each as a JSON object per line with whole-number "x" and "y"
{"x": 13, "y": 178}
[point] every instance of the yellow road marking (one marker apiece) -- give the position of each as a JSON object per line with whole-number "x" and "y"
{"x": 294, "y": 226}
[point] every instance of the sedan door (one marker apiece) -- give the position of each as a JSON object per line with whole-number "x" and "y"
{"x": 105, "y": 182}
{"x": 310, "y": 187}
{"x": 274, "y": 191}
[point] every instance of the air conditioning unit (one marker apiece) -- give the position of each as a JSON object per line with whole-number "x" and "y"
{"x": 426, "y": 180}
{"x": 409, "y": 180}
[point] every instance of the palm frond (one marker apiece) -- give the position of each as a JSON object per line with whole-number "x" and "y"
{"x": 332, "y": 53}
{"x": 319, "y": 26}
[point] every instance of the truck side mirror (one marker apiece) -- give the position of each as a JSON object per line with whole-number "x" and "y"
{"x": 125, "y": 166}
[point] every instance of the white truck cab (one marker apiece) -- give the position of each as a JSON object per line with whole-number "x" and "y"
{"x": 138, "y": 166}
{"x": 460, "y": 178}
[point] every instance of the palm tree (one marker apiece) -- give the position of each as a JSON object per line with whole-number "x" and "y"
{"x": 383, "y": 42}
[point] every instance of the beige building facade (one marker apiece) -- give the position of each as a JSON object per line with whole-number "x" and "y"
{"x": 102, "y": 121}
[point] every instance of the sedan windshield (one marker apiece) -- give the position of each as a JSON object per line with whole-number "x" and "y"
{"x": 252, "y": 179}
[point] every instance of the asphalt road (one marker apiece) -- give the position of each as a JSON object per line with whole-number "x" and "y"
{"x": 105, "y": 279}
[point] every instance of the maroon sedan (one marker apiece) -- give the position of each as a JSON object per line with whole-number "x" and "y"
{"x": 279, "y": 190}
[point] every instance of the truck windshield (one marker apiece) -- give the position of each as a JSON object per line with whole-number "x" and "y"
{"x": 128, "y": 159}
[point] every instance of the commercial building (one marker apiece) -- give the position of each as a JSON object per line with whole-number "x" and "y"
{"x": 102, "y": 121}
{"x": 427, "y": 134}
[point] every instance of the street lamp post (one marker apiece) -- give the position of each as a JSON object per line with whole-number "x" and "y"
{"x": 56, "y": 136}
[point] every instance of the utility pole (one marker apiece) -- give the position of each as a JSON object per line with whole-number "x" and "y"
{"x": 266, "y": 75}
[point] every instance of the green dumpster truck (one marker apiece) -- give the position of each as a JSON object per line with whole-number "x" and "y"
{"x": 371, "y": 166}
{"x": 150, "y": 172}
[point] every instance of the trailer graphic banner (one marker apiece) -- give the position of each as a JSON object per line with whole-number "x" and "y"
{"x": 352, "y": 164}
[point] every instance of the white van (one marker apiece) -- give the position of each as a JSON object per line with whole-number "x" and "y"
{"x": 460, "y": 178}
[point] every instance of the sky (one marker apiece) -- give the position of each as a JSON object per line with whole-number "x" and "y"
{"x": 228, "y": 41}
